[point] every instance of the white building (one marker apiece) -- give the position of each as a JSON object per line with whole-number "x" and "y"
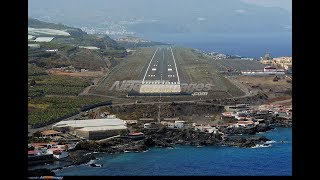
{"x": 147, "y": 125}
{"x": 52, "y": 50}
{"x": 93, "y": 129}
{"x": 34, "y": 46}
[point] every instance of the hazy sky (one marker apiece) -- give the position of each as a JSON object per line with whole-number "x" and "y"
{"x": 285, "y": 4}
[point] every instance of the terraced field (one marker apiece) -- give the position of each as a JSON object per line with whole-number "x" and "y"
{"x": 192, "y": 66}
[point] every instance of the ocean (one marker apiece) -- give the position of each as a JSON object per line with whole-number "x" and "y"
{"x": 274, "y": 160}
{"x": 246, "y": 45}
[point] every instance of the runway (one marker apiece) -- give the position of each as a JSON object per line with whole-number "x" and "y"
{"x": 161, "y": 74}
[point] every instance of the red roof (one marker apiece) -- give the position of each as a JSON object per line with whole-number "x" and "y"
{"x": 136, "y": 134}
{"x": 39, "y": 144}
{"x": 32, "y": 152}
{"x": 245, "y": 122}
{"x": 43, "y": 144}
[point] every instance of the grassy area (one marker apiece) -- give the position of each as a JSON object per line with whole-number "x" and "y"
{"x": 34, "y": 70}
{"x": 197, "y": 68}
{"x": 129, "y": 69}
{"x": 237, "y": 64}
{"x": 47, "y": 110}
{"x": 57, "y": 85}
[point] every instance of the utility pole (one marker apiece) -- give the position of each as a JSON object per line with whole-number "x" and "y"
{"x": 159, "y": 112}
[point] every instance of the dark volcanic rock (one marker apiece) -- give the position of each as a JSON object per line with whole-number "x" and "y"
{"x": 137, "y": 146}
{"x": 167, "y": 137}
{"x": 80, "y": 157}
{"x": 244, "y": 141}
{"x": 87, "y": 145}
{"x": 40, "y": 172}
{"x": 149, "y": 142}
{"x": 248, "y": 130}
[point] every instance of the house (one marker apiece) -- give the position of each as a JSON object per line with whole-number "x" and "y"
{"x": 222, "y": 126}
{"x": 227, "y": 114}
{"x": 170, "y": 125}
{"x": 58, "y": 153}
{"x": 50, "y": 133}
{"x": 238, "y": 107}
{"x": 130, "y": 122}
{"x": 245, "y": 123}
{"x": 179, "y": 124}
{"x": 34, "y": 46}
{"x": 52, "y": 50}
{"x": 206, "y": 128}
{"x": 135, "y": 135}
{"x": 34, "y": 153}
{"x": 147, "y": 125}
{"x": 146, "y": 120}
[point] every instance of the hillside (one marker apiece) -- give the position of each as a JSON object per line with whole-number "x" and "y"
{"x": 133, "y": 42}
{"x": 63, "y": 46}
{"x": 62, "y": 62}
{"x": 68, "y": 35}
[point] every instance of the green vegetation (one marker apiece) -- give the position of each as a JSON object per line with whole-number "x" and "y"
{"x": 196, "y": 68}
{"x": 56, "y": 85}
{"x": 53, "y": 97}
{"x": 86, "y": 40}
{"x": 131, "y": 68}
{"x": 47, "y": 110}
{"x": 236, "y": 64}
{"x": 34, "y": 70}
{"x": 42, "y": 109}
{"x": 140, "y": 44}
{"x": 35, "y": 23}
{"x": 67, "y": 48}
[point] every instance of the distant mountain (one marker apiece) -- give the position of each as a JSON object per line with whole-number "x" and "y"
{"x": 164, "y": 16}
{"x": 77, "y": 37}
{"x": 70, "y": 47}
{"x": 133, "y": 42}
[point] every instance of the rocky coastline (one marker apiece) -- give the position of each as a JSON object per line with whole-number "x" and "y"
{"x": 165, "y": 137}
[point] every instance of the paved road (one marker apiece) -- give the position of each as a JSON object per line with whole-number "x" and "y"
{"x": 161, "y": 67}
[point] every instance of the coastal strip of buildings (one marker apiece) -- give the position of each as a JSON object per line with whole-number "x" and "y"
{"x": 54, "y": 144}
{"x": 274, "y": 66}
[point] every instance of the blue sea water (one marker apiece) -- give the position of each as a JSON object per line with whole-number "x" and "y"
{"x": 275, "y": 160}
{"x": 243, "y": 44}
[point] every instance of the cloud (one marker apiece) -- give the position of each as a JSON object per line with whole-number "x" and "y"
{"x": 285, "y": 4}
{"x": 201, "y": 19}
{"x": 288, "y": 27}
{"x": 240, "y": 11}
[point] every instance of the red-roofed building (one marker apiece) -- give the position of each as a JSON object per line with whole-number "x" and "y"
{"x": 33, "y": 153}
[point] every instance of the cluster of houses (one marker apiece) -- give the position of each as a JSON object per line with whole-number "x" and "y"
{"x": 68, "y": 69}
{"x": 282, "y": 62}
{"x": 244, "y": 115}
{"x": 49, "y": 150}
{"x": 241, "y": 115}
{"x": 282, "y": 111}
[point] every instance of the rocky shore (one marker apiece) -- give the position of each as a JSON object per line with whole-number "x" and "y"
{"x": 165, "y": 137}
{"x": 162, "y": 137}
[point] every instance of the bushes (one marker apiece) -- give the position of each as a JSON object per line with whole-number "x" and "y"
{"x": 57, "y": 85}
{"x": 58, "y": 108}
